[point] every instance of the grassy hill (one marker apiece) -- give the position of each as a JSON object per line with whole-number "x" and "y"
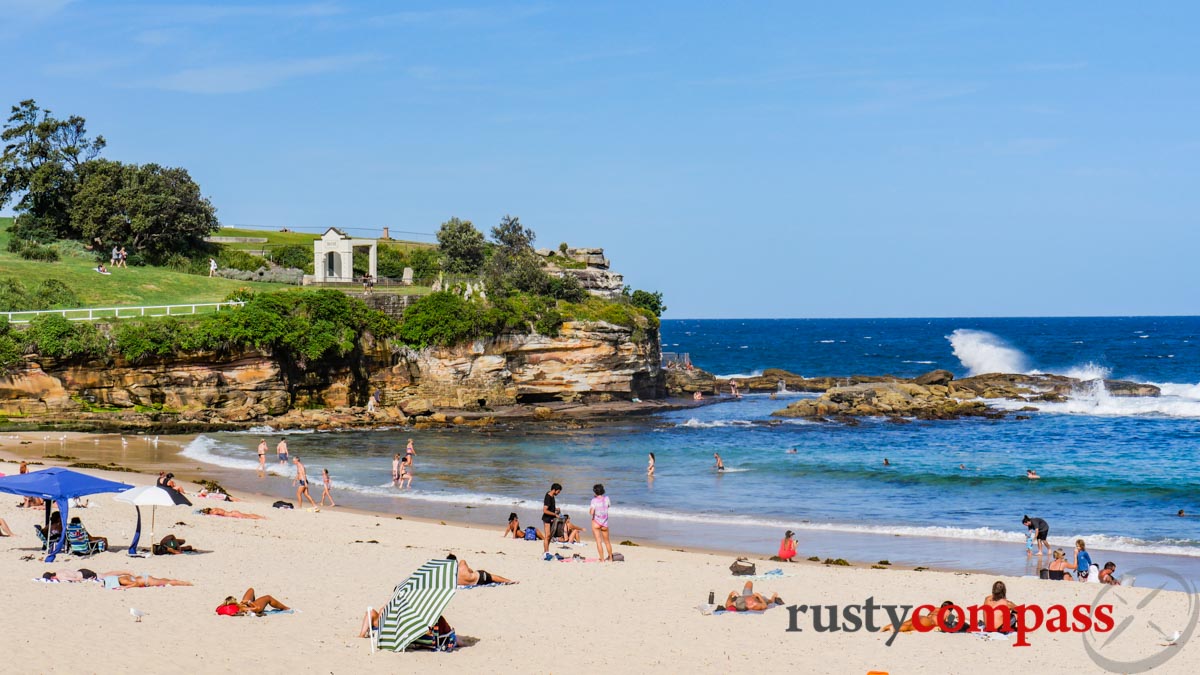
{"x": 276, "y": 239}
{"x": 124, "y": 287}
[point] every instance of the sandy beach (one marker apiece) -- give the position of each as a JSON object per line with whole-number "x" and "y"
{"x": 640, "y": 615}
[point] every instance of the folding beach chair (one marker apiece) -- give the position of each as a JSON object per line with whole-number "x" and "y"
{"x": 80, "y": 543}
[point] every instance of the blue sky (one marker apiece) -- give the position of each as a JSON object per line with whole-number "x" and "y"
{"x": 765, "y": 160}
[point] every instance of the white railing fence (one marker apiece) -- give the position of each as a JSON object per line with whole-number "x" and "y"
{"x": 95, "y": 313}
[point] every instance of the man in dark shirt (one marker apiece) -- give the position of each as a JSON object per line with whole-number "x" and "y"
{"x": 1041, "y": 530}
{"x": 550, "y": 512}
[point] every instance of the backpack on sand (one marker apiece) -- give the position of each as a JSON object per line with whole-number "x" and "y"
{"x": 742, "y": 567}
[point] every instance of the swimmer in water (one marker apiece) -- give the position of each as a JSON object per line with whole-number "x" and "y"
{"x": 720, "y": 463}
{"x": 792, "y": 451}
{"x": 1031, "y": 474}
{"x": 886, "y": 462}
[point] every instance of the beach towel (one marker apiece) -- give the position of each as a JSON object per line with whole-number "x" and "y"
{"x": 491, "y": 585}
{"x": 773, "y": 574}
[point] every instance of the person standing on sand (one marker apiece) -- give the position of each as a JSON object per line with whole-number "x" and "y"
{"x": 599, "y": 511}
{"x": 326, "y": 482}
{"x": 281, "y": 451}
{"x": 262, "y": 455}
{"x": 720, "y": 463}
{"x": 396, "y": 470}
{"x": 550, "y": 512}
{"x": 302, "y": 485}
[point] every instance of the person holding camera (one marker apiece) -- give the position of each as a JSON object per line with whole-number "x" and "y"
{"x": 550, "y": 512}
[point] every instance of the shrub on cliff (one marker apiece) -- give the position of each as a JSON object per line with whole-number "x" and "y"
{"x": 440, "y": 319}
{"x": 57, "y": 337}
{"x": 12, "y": 345}
{"x": 295, "y": 257}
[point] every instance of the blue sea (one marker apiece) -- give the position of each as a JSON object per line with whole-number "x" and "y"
{"x": 1115, "y": 471}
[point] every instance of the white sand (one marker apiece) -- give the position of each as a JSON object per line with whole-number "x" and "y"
{"x": 635, "y": 616}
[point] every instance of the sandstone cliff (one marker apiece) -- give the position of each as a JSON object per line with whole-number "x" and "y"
{"x": 587, "y": 361}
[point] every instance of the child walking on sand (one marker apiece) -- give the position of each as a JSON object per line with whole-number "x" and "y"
{"x": 327, "y": 484}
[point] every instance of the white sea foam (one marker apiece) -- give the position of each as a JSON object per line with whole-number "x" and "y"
{"x": 202, "y": 448}
{"x": 753, "y": 373}
{"x": 983, "y": 352}
{"x": 266, "y": 430}
{"x": 694, "y": 423}
{"x": 827, "y": 342}
{"x": 923, "y": 362}
{"x": 1176, "y": 401}
{"x": 1088, "y": 371}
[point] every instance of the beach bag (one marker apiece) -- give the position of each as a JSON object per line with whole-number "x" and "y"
{"x": 742, "y": 567}
{"x": 283, "y": 505}
{"x": 618, "y": 557}
{"x": 558, "y": 529}
{"x": 530, "y": 534}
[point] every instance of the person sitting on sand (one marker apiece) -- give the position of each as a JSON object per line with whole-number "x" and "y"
{"x": 131, "y": 581}
{"x": 172, "y": 545}
{"x": 571, "y": 531}
{"x": 250, "y": 603}
{"x": 787, "y": 547}
{"x": 1059, "y": 567}
{"x": 749, "y": 601}
{"x": 211, "y": 511}
{"x": 1106, "y": 574}
{"x": 928, "y": 621}
{"x": 997, "y": 603}
{"x": 77, "y": 529}
{"x": 514, "y": 528}
{"x": 470, "y": 577}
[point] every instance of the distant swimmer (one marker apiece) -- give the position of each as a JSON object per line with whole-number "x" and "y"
{"x": 962, "y": 467}
{"x": 1031, "y": 474}
{"x": 792, "y": 451}
{"x": 886, "y": 462}
{"x": 1181, "y": 514}
{"x": 650, "y": 466}
{"x": 720, "y": 463}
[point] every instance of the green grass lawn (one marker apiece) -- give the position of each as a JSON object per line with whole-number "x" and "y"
{"x": 276, "y": 239}
{"x": 124, "y": 287}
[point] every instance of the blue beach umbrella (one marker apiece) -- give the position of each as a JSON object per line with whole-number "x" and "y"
{"x": 60, "y": 485}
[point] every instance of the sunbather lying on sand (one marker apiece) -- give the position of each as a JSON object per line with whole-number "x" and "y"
{"x": 250, "y": 603}
{"x": 470, "y": 577}
{"x": 131, "y": 581}
{"x": 928, "y": 620}
{"x": 210, "y": 511}
{"x": 749, "y": 601}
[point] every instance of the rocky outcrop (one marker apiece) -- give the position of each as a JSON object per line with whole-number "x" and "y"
{"x": 937, "y": 395}
{"x": 588, "y": 361}
{"x": 888, "y": 399}
{"x": 595, "y": 276}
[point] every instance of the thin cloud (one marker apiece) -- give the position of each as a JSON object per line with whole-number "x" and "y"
{"x": 245, "y": 77}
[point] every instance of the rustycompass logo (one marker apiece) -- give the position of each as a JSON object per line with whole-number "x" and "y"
{"x": 1108, "y": 652}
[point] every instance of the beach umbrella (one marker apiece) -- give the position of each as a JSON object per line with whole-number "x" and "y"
{"x": 417, "y": 603}
{"x": 153, "y": 496}
{"x": 61, "y": 485}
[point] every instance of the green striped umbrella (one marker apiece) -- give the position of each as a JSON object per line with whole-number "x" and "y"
{"x": 417, "y": 603}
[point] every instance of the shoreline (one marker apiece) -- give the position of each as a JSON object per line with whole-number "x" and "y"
{"x": 861, "y": 549}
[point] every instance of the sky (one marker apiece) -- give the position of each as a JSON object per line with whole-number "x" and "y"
{"x": 746, "y": 160}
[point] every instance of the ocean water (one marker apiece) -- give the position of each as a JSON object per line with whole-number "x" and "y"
{"x": 1115, "y": 470}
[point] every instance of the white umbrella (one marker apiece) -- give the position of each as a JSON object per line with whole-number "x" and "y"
{"x": 154, "y": 497}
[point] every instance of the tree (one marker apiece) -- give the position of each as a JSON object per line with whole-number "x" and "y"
{"x": 155, "y": 210}
{"x": 514, "y": 266}
{"x": 39, "y": 167}
{"x": 462, "y": 246}
{"x": 652, "y": 302}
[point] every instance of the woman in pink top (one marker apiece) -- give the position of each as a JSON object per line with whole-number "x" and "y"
{"x": 599, "y": 511}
